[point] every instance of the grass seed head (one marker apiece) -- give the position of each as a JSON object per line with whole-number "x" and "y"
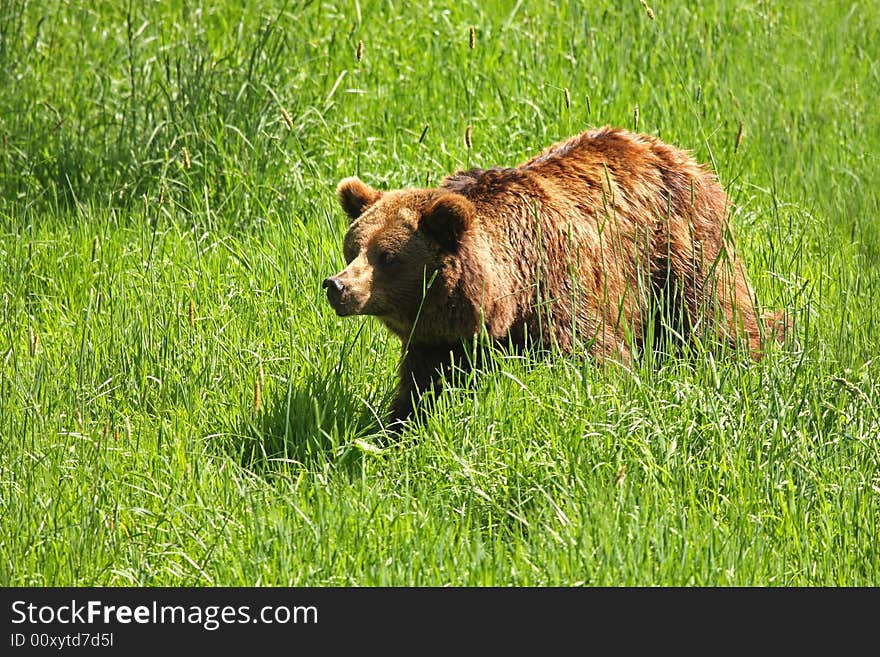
{"x": 359, "y": 53}
{"x": 739, "y": 137}
{"x": 648, "y": 10}
{"x": 472, "y": 37}
{"x": 636, "y": 118}
{"x": 187, "y": 163}
{"x": 467, "y": 137}
{"x": 621, "y": 475}
{"x": 567, "y": 98}
{"x": 192, "y": 313}
{"x": 286, "y": 116}
{"x": 257, "y": 395}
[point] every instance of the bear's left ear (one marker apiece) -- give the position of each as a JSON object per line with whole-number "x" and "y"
{"x": 447, "y": 219}
{"x": 355, "y": 196}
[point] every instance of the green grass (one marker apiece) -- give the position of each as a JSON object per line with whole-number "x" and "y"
{"x": 147, "y": 168}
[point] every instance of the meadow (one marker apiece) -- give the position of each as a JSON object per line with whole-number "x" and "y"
{"x": 180, "y": 406}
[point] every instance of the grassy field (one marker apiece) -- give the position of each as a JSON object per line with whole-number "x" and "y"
{"x": 180, "y": 406}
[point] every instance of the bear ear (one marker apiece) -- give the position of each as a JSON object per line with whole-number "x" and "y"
{"x": 355, "y": 196}
{"x": 447, "y": 219}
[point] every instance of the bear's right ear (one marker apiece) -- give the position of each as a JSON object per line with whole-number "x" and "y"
{"x": 355, "y": 196}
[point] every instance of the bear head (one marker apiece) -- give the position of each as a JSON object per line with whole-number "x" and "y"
{"x": 411, "y": 261}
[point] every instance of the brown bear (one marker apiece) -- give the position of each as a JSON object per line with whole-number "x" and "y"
{"x": 606, "y": 240}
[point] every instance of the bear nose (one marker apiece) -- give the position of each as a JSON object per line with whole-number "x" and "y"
{"x": 333, "y": 283}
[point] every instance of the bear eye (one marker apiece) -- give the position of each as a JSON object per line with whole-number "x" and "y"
{"x": 385, "y": 258}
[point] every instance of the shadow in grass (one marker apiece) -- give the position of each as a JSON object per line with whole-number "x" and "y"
{"x": 318, "y": 421}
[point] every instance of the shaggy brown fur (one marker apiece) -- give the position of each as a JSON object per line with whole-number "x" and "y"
{"x": 602, "y": 240}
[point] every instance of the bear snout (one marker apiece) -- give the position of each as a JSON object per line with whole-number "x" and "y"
{"x": 334, "y": 284}
{"x": 335, "y": 288}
